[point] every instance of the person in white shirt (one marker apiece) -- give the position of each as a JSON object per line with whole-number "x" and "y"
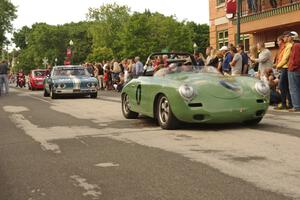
{"x": 236, "y": 63}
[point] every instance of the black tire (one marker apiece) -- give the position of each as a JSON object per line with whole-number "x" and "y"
{"x": 164, "y": 115}
{"x": 52, "y": 94}
{"x": 253, "y": 122}
{"x": 46, "y": 94}
{"x": 94, "y": 95}
{"x": 127, "y": 113}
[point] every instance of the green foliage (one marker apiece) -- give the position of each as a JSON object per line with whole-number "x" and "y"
{"x": 140, "y": 34}
{"x": 43, "y": 40}
{"x": 109, "y": 21}
{"x": 100, "y": 54}
{"x": 200, "y": 35}
{"x": 7, "y": 15}
{"x": 152, "y": 32}
{"x": 111, "y": 31}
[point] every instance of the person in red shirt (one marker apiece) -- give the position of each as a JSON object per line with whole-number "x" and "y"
{"x": 294, "y": 71}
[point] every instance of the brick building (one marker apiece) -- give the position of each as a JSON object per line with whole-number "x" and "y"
{"x": 262, "y": 23}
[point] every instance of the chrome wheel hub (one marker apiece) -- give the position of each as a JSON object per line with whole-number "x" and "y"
{"x": 164, "y": 110}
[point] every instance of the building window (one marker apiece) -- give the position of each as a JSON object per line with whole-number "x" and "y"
{"x": 219, "y": 2}
{"x": 222, "y": 38}
{"x": 245, "y": 40}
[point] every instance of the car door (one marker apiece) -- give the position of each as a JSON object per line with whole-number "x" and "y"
{"x": 142, "y": 91}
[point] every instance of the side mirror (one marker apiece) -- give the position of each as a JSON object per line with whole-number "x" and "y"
{"x": 92, "y": 75}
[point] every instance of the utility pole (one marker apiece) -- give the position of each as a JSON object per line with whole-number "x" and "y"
{"x": 238, "y": 22}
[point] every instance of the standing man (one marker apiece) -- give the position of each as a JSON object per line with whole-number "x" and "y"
{"x": 236, "y": 63}
{"x": 282, "y": 65}
{"x": 294, "y": 71}
{"x": 264, "y": 60}
{"x": 226, "y": 68}
{"x": 139, "y": 67}
{"x": 245, "y": 65}
{"x": 4, "y": 78}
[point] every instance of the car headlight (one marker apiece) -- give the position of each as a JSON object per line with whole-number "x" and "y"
{"x": 89, "y": 85}
{"x": 62, "y": 85}
{"x": 187, "y": 92}
{"x": 56, "y": 85}
{"x": 95, "y": 84}
{"x": 262, "y": 88}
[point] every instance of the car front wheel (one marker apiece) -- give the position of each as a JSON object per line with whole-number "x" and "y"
{"x": 127, "y": 113}
{"x": 165, "y": 117}
{"x": 252, "y": 122}
{"x": 94, "y": 95}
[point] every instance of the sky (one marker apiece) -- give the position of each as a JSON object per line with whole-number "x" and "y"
{"x": 64, "y": 11}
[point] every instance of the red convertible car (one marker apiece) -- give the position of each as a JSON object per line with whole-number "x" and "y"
{"x": 36, "y": 79}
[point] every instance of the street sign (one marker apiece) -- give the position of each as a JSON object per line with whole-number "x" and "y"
{"x": 45, "y": 61}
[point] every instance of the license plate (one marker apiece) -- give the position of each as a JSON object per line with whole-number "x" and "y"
{"x": 76, "y": 90}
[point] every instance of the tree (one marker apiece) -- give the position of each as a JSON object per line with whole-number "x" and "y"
{"x": 100, "y": 54}
{"x": 7, "y": 15}
{"x": 200, "y": 35}
{"x": 148, "y": 32}
{"x": 109, "y": 21}
{"x": 20, "y": 38}
{"x": 43, "y": 40}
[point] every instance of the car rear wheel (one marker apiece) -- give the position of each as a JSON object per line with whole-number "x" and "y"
{"x": 165, "y": 116}
{"x": 94, "y": 95}
{"x": 128, "y": 114}
{"x": 46, "y": 94}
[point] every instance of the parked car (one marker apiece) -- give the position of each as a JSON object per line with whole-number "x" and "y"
{"x": 36, "y": 79}
{"x": 70, "y": 80}
{"x": 182, "y": 92}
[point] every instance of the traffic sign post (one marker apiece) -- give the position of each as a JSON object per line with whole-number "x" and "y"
{"x": 45, "y": 62}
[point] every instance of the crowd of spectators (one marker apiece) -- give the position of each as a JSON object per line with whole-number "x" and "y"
{"x": 282, "y": 73}
{"x": 112, "y": 75}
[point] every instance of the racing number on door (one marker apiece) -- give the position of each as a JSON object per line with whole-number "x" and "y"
{"x": 138, "y": 94}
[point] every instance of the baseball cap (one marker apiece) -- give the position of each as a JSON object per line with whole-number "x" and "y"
{"x": 224, "y": 48}
{"x": 294, "y": 35}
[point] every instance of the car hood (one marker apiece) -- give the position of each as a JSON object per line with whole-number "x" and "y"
{"x": 216, "y": 85}
{"x": 66, "y": 79}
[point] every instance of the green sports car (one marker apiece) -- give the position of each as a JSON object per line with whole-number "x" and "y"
{"x": 70, "y": 80}
{"x": 173, "y": 89}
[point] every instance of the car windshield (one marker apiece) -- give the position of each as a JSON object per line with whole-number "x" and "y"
{"x": 172, "y": 68}
{"x": 39, "y": 73}
{"x": 70, "y": 71}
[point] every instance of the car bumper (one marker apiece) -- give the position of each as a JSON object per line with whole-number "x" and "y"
{"x": 75, "y": 91}
{"x": 38, "y": 85}
{"x": 221, "y": 111}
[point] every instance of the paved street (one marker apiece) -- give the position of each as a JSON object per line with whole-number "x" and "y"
{"x": 83, "y": 149}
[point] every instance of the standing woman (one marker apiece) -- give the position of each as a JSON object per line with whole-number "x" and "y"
{"x": 214, "y": 60}
{"x": 130, "y": 70}
{"x": 100, "y": 75}
{"x": 253, "y": 54}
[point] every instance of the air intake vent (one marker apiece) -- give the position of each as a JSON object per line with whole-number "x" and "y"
{"x": 260, "y": 101}
{"x": 195, "y": 105}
